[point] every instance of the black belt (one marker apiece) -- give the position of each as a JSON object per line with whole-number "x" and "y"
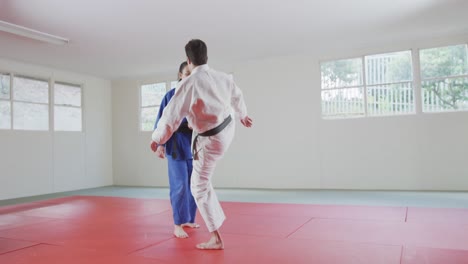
{"x": 209, "y": 133}
{"x": 183, "y": 128}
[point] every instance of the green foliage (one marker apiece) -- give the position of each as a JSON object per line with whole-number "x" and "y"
{"x": 445, "y": 62}
{"x": 341, "y": 72}
{"x": 400, "y": 69}
{"x": 439, "y": 63}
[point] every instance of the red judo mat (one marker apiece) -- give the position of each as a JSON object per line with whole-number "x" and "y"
{"x": 91, "y": 229}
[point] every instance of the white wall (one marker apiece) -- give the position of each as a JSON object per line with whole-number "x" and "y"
{"x": 42, "y": 162}
{"x": 290, "y": 146}
{"x": 134, "y": 163}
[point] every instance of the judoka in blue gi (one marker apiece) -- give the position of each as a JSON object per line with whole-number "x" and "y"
{"x": 178, "y": 152}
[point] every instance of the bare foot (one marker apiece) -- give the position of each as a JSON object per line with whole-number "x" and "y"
{"x": 191, "y": 225}
{"x": 211, "y": 245}
{"x": 179, "y": 232}
{"x": 215, "y": 242}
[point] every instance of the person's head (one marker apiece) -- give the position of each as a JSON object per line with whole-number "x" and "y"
{"x": 197, "y": 53}
{"x": 184, "y": 71}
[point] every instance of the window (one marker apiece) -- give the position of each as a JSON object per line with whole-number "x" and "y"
{"x": 30, "y": 107}
{"x": 24, "y": 104}
{"x": 444, "y": 79}
{"x": 385, "y": 90}
{"x": 67, "y": 107}
{"x": 151, "y": 96}
{"x": 5, "y": 104}
{"x": 389, "y": 80}
{"x": 342, "y": 88}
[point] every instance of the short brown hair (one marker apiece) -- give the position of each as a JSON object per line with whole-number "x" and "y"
{"x": 197, "y": 52}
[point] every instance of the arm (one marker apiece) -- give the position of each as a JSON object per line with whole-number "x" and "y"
{"x": 172, "y": 116}
{"x": 163, "y": 104}
{"x": 237, "y": 102}
{"x": 159, "y": 149}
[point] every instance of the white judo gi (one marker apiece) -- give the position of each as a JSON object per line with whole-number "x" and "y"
{"x": 206, "y": 98}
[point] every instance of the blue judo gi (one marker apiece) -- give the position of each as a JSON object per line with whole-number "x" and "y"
{"x": 179, "y": 159}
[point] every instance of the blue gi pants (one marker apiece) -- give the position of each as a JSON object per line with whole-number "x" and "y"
{"x": 182, "y": 202}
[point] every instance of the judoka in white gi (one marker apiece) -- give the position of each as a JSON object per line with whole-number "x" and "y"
{"x": 208, "y": 99}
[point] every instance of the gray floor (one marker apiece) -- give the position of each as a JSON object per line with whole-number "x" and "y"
{"x": 341, "y": 197}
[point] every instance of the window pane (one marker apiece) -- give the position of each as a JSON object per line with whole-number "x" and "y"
{"x": 341, "y": 73}
{"x": 343, "y": 103}
{"x": 174, "y": 84}
{"x": 450, "y": 94}
{"x": 67, "y": 95}
{"x": 390, "y": 99}
{"x": 152, "y": 94}
{"x": 389, "y": 68}
{"x": 30, "y": 116}
{"x": 4, "y": 86}
{"x": 445, "y": 61}
{"x": 67, "y": 118}
{"x": 5, "y": 115}
{"x": 148, "y": 117}
{"x": 31, "y": 90}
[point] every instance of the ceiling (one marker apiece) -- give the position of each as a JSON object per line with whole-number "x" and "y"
{"x": 116, "y": 39}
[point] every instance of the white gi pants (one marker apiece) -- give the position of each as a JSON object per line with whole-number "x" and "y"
{"x": 210, "y": 150}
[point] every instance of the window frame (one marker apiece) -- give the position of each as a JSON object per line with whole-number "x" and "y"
{"x": 411, "y": 82}
{"x": 53, "y": 105}
{"x": 140, "y": 104}
{"x": 9, "y": 100}
{"x": 345, "y": 87}
{"x": 447, "y": 77}
{"x": 48, "y": 104}
{"x": 365, "y": 86}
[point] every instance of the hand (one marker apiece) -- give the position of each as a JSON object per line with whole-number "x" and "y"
{"x": 161, "y": 152}
{"x": 247, "y": 121}
{"x": 153, "y": 146}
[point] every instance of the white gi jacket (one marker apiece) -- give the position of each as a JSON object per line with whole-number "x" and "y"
{"x": 205, "y": 98}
